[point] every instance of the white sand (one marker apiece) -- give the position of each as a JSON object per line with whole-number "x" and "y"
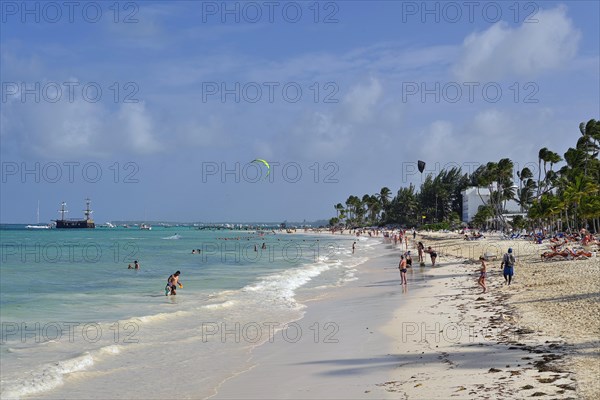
{"x": 319, "y": 368}
{"x": 437, "y": 339}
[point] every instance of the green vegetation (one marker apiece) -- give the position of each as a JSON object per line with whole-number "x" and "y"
{"x": 563, "y": 199}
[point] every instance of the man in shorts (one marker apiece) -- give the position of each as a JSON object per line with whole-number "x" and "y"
{"x": 508, "y": 265}
{"x": 172, "y": 283}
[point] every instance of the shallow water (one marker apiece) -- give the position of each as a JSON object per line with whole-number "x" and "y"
{"x": 76, "y": 320}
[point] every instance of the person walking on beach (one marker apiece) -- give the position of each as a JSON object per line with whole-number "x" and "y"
{"x": 508, "y": 265}
{"x": 353, "y": 247}
{"x": 402, "y": 268}
{"x": 172, "y": 283}
{"x": 482, "y": 274}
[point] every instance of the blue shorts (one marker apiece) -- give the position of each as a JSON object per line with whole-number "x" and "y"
{"x": 509, "y": 271}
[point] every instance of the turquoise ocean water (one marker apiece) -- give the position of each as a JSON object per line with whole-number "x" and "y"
{"x": 76, "y": 323}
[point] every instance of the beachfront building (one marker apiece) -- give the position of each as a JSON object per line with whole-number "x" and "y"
{"x": 471, "y": 200}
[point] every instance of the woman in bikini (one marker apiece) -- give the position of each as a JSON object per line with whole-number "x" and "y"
{"x": 420, "y": 248}
{"x": 482, "y": 274}
{"x": 432, "y": 254}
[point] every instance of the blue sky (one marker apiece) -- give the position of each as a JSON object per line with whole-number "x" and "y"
{"x": 370, "y": 88}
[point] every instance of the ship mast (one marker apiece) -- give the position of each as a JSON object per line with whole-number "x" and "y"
{"x": 88, "y": 212}
{"x": 62, "y": 211}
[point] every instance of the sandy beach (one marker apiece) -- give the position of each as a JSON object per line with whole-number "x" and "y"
{"x": 439, "y": 337}
{"x": 554, "y": 298}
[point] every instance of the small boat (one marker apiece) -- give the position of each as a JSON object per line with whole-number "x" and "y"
{"x": 145, "y": 227}
{"x": 38, "y": 227}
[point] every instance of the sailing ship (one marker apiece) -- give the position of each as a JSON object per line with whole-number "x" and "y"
{"x": 38, "y": 226}
{"x": 63, "y": 223}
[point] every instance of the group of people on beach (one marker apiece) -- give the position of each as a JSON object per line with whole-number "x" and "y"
{"x": 432, "y": 254}
{"x": 406, "y": 258}
{"x": 507, "y": 264}
{"x": 562, "y": 246}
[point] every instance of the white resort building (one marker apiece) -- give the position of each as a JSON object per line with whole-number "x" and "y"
{"x": 471, "y": 201}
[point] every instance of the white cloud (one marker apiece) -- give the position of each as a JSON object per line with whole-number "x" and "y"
{"x": 80, "y": 129}
{"x": 492, "y": 134}
{"x": 319, "y": 135}
{"x": 526, "y": 51}
{"x": 138, "y": 128}
{"x": 195, "y": 133}
{"x": 336, "y": 130}
{"x": 362, "y": 99}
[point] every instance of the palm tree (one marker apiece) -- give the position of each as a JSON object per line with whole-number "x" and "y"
{"x": 590, "y": 209}
{"x": 526, "y": 188}
{"x": 483, "y": 215}
{"x": 384, "y": 196}
{"x": 384, "y": 201}
{"x": 589, "y": 141}
{"x": 541, "y": 157}
{"x": 572, "y": 192}
{"x": 404, "y": 207}
{"x": 504, "y": 185}
{"x": 551, "y": 157}
{"x": 576, "y": 191}
{"x": 338, "y": 208}
{"x": 349, "y": 208}
{"x": 354, "y": 210}
{"x": 373, "y": 209}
